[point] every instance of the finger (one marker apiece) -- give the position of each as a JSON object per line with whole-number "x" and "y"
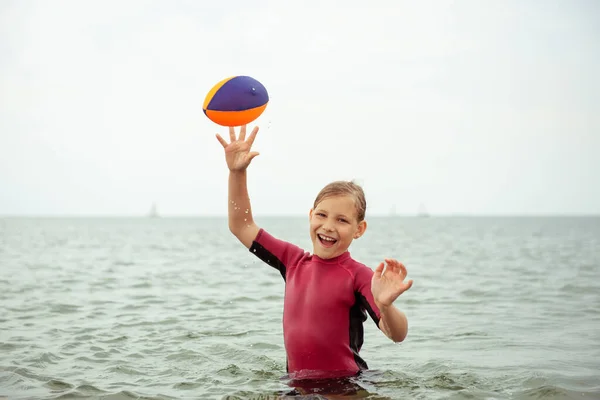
{"x": 397, "y": 266}
{"x": 243, "y": 132}
{"x": 232, "y": 134}
{"x": 408, "y": 285}
{"x": 392, "y": 264}
{"x": 379, "y": 270}
{"x": 221, "y": 140}
{"x": 252, "y": 155}
{"x": 402, "y": 269}
{"x": 252, "y": 136}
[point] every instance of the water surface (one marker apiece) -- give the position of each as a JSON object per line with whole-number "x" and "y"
{"x": 176, "y": 308}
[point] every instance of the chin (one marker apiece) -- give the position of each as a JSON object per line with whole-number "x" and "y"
{"x": 325, "y": 253}
{"x": 317, "y": 251}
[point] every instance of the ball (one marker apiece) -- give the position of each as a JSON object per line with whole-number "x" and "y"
{"x": 235, "y": 101}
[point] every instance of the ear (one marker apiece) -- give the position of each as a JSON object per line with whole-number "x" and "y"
{"x": 310, "y": 213}
{"x": 360, "y": 230}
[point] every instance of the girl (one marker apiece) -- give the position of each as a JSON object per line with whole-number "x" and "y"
{"x": 327, "y": 293}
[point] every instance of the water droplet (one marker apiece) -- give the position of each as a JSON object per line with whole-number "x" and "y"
{"x": 247, "y": 211}
{"x": 246, "y": 220}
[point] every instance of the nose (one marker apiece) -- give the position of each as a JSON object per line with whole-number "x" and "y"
{"x": 327, "y": 228}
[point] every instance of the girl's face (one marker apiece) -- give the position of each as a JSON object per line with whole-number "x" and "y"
{"x": 333, "y": 226}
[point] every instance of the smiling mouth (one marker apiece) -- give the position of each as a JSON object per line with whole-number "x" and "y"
{"x": 326, "y": 241}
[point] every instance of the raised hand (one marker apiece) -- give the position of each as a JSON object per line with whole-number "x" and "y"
{"x": 237, "y": 152}
{"x": 386, "y": 287}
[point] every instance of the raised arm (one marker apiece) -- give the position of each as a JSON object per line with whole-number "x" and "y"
{"x": 238, "y": 157}
{"x": 241, "y": 223}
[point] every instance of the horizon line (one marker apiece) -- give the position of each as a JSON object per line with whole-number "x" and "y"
{"x": 290, "y": 215}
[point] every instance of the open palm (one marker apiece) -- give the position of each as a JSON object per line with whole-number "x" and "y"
{"x": 386, "y": 287}
{"x": 237, "y": 152}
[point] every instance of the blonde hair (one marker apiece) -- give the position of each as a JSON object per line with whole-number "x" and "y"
{"x": 345, "y": 188}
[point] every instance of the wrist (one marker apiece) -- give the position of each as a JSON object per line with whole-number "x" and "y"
{"x": 382, "y": 307}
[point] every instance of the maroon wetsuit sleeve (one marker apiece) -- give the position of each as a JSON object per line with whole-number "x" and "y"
{"x": 362, "y": 287}
{"x": 277, "y": 253}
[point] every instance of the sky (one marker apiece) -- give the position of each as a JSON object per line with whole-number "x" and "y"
{"x": 466, "y": 107}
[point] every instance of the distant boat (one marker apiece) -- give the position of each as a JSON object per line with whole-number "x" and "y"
{"x": 423, "y": 211}
{"x": 153, "y": 212}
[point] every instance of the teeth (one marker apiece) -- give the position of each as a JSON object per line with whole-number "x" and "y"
{"x": 326, "y": 238}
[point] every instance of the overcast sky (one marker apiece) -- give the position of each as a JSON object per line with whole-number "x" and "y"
{"x": 476, "y": 107}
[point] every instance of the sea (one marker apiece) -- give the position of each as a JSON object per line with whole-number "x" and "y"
{"x": 176, "y": 308}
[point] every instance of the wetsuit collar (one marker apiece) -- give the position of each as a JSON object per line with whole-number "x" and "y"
{"x": 342, "y": 257}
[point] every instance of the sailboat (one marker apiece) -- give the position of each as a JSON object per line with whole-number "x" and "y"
{"x": 392, "y": 212}
{"x": 423, "y": 211}
{"x": 153, "y": 211}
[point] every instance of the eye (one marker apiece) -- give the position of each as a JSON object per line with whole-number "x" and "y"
{"x": 320, "y": 214}
{"x": 343, "y": 220}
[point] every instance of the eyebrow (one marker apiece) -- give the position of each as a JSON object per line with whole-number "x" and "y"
{"x": 327, "y": 212}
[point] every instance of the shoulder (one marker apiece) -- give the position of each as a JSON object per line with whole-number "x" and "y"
{"x": 265, "y": 238}
{"x": 359, "y": 271}
{"x": 357, "y": 266}
{"x": 284, "y": 250}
